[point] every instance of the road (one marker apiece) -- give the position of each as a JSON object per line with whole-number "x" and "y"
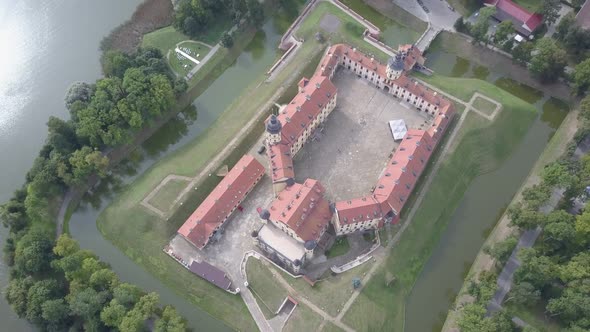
{"x": 439, "y": 15}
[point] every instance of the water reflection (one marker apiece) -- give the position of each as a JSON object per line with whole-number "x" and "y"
{"x": 171, "y": 132}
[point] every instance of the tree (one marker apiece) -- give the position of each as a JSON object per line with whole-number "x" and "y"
{"x": 503, "y": 30}
{"x": 550, "y": 11}
{"x": 537, "y": 270}
{"x": 16, "y": 294}
{"x": 170, "y": 321}
{"x": 548, "y": 60}
{"x": 536, "y": 196}
{"x": 79, "y": 91}
{"x": 572, "y": 306}
{"x": 524, "y": 293}
{"x": 471, "y": 317}
{"x": 103, "y": 280}
{"x": 227, "y": 40}
{"x": 56, "y": 313}
{"x": 40, "y": 292}
{"x": 557, "y": 174}
{"x": 578, "y": 268}
{"x": 113, "y": 314}
{"x": 115, "y": 63}
{"x": 502, "y": 250}
{"x": 33, "y": 253}
{"x": 127, "y": 294}
{"x": 460, "y": 25}
{"x": 564, "y": 25}
{"x": 87, "y": 161}
{"x": 582, "y": 76}
{"x": 583, "y": 226}
{"x": 522, "y": 52}
{"x": 87, "y": 303}
{"x": 255, "y": 12}
{"x": 525, "y": 218}
{"x": 65, "y": 246}
{"x": 479, "y": 30}
{"x": 62, "y": 135}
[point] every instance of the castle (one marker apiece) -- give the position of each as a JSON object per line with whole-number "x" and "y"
{"x": 300, "y": 213}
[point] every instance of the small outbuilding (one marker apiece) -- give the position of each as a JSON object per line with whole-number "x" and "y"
{"x": 398, "y": 129}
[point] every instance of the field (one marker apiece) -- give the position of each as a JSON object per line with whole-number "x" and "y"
{"x": 382, "y": 308}
{"x": 269, "y": 293}
{"x": 330, "y": 294}
{"x": 167, "y": 39}
{"x": 303, "y": 319}
{"x": 484, "y": 105}
{"x": 167, "y": 194}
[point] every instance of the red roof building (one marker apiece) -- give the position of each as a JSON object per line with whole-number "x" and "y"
{"x": 524, "y": 21}
{"x": 302, "y": 211}
{"x": 214, "y": 211}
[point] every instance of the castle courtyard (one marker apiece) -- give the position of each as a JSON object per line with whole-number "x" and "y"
{"x": 348, "y": 154}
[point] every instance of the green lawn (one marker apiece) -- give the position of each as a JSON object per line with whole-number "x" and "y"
{"x": 266, "y": 288}
{"x": 349, "y": 31}
{"x": 164, "y": 39}
{"x": 180, "y": 64}
{"x": 329, "y": 327}
{"x": 484, "y": 105}
{"x": 339, "y": 248}
{"x": 303, "y": 319}
{"x": 331, "y": 293}
{"x": 534, "y": 317}
{"x": 481, "y": 149}
{"x": 167, "y": 194}
{"x": 530, "y": 5}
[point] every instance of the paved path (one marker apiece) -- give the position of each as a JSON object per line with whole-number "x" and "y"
{"x": 203, "y": 62}
{"x": 62, "y": 212}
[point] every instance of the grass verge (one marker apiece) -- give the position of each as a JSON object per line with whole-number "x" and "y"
{"x": 303, "y": 319}
{"x": 164, "y": 198}
{"x": 484, "y": 105}
{"x": 380, "y": 308}
{"x": 339, "y": 248}
{"x": 263, "y": 284}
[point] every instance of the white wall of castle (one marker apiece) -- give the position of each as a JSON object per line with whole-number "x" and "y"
{"x": 354, "y": 226}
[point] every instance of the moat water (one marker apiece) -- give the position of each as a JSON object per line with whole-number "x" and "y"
{"x": 483, "y": 203}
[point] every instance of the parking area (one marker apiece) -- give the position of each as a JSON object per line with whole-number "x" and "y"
{"x": 350, "y": 151}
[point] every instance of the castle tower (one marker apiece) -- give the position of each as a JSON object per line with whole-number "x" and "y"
{"x": 273, "y": 130}
{"x": 395, "y": 67}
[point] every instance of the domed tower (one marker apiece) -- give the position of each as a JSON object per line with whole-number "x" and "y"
{"x": 309, "y": 246}
{"x": 395, "y": 67}
{"x": 273, "y": 130}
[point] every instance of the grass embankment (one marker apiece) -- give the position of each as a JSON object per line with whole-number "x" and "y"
{"x": 303, "y": 319}
{"x": 349, "y": 31}
{"x": 382, "y": 308}
{"x": 330, "y": 293}
{"x": 269, "y": 293}
{"x": 554, "y": 149}
{"x": 392, "y": 11}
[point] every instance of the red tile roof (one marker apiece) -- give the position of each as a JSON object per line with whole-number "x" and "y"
{"x": 303, "y": 208}
{"x": 305, "y": 106}
{"x": 281, "y": 162}
{"x": 518, "y": 13}
{"x": 214, "y": 210}
{"x": 358, "y": 210}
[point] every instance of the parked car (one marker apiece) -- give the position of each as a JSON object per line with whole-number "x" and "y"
{"x": 261, "y": 149}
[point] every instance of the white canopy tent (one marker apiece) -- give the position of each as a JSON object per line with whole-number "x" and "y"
{"x": 398, "y": 129}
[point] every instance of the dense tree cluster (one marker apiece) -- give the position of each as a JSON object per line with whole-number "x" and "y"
{"x": 62, "y": 287}
{"x": 555, "y": 273}
{"x": 193, "y": 16}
